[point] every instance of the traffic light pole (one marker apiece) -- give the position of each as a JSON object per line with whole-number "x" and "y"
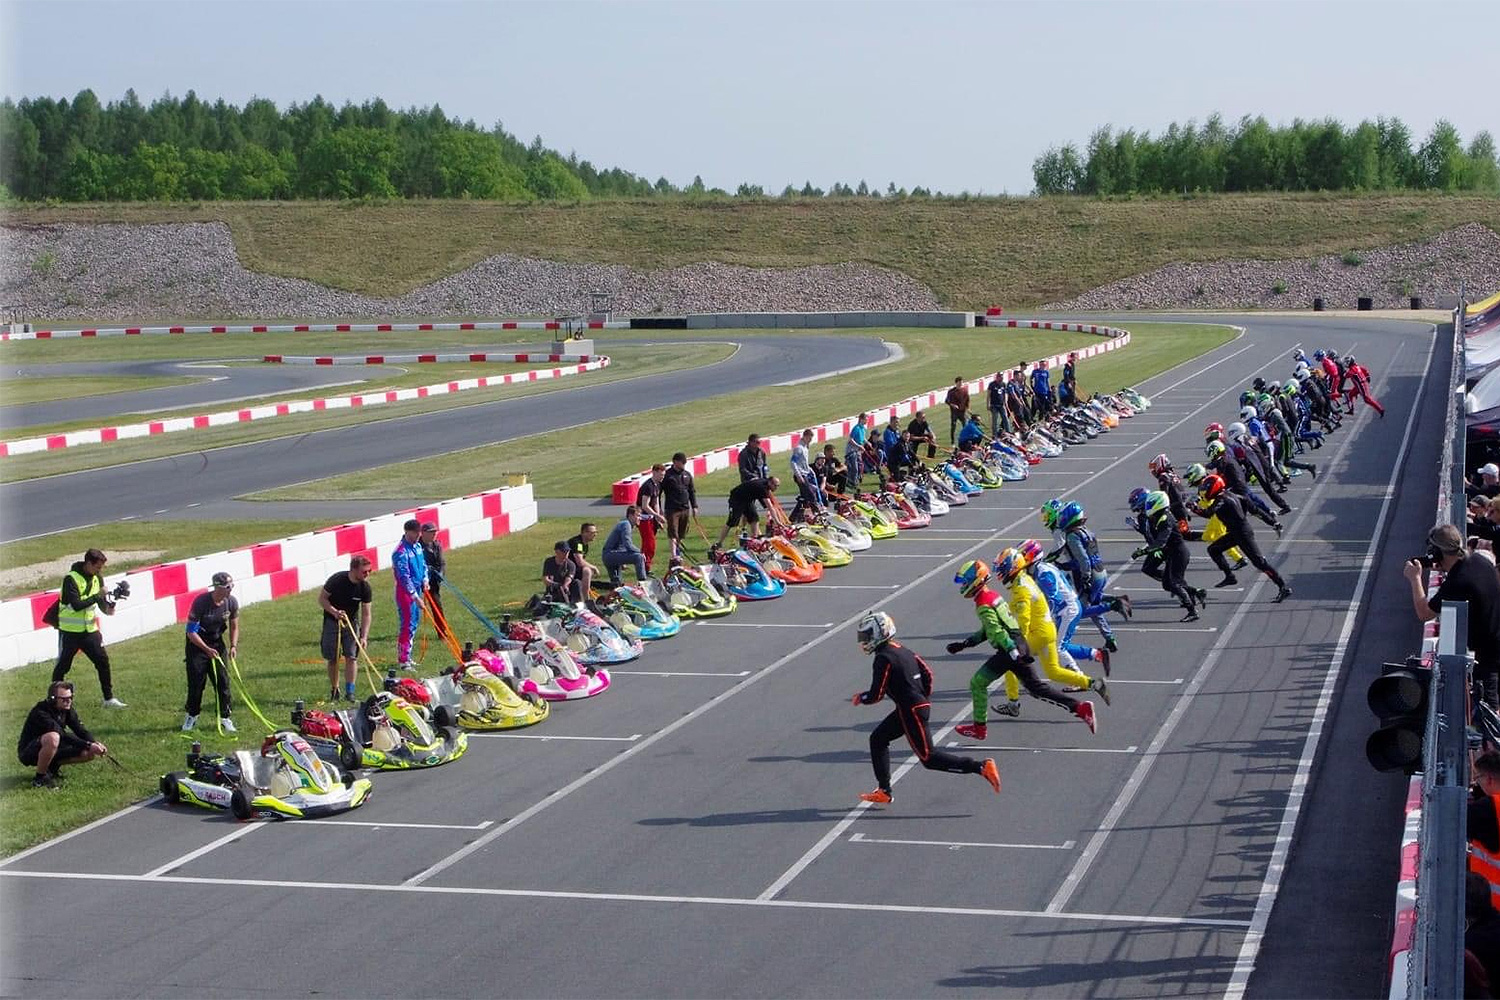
{"x": 1444, "y": 848}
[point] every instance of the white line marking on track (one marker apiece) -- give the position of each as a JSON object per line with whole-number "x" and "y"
{"x": 671, "y": 673}
{"x": 1131, "y": 680}
{"x": 391, "y": 826}
{"x": 1164, "y": 628}
{"x": 782, "y": 904}
{"x": 538, "y": 736}
{"x": 859, "y": 838}
{"x": 22, "y": 855}
{"x": 248, "y": 828}
{"x": 1276, "y": 867}
{"x": 976, "y": 746}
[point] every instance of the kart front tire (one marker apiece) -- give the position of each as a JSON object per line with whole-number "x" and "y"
{"x": 170, "y": 790}
{"x": 444, "y": 717}
{"x": 239, "y": 804}
{"x": 350, "y": 756}
{"x": 350, "y": 777}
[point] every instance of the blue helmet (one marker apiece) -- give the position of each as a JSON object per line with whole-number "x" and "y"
{"x": 1138, "y": 499}
{"x": 1071, "y": 516}
{"x": 1318, "y": 355}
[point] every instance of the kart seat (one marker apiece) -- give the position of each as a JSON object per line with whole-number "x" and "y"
{"x": 256, "y": 771}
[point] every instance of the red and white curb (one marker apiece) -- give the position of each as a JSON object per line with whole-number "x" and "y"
{"x": 142, "y": 331}
{"x": 426, "y": 359}
{"x": 624, "y": 491}
{"x": 104, "y": 435}
{"x": 161, "y": 595}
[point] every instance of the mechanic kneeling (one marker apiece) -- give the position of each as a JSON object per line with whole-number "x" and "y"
{"x": 46, "y": 742}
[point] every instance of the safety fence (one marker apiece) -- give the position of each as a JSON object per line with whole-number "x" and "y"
{"x": 161, "y": 595}
{"x": 624, "y": 491}
{"x": 146, "y": 331}
{"x": 104, "y": 435}
{"x": 1426, "y": 953}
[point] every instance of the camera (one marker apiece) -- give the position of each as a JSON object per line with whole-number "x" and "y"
{"x": 1426, "y": 560}
{"x": 121, "y": 591}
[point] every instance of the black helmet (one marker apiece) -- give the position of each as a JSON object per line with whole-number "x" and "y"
{"x": 1259, "y": 384}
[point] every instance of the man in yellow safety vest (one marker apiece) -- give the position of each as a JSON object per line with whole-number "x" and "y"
{"x": 78, "y": 608}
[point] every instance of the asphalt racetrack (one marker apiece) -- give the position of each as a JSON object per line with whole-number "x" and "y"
{"x": 695, "y": 831}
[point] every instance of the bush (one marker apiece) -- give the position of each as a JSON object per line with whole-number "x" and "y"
{"x": 1353, "y": 259}
{"x": 1279, "y": 288}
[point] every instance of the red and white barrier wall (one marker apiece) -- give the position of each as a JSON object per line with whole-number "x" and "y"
{"x": 98, "y": 435}
{"x": 424, "y": 359}
{"x": 139, "y": 331}
{"x": 623, "y": 491}
{"x": 161, "y": 595}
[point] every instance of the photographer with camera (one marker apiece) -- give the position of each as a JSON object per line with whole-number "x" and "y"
{"x": 1466, "y": 577}
{"x": 78, "y": 607}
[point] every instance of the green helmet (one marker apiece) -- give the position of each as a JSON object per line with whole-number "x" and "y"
{"x": 1264, "y": 401}
{"x": 1291, "y": 387}
{"x": 1049, "y": 513}
{"x": 1195, "y": 474}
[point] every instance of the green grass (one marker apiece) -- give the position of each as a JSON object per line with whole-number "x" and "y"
{"x": 574, "y": 464}
{"x": 19, "y": 391}
{"x": 281, "y": 663}
{"x": 1019, "y": 252}
{"x": 625, "y": 362}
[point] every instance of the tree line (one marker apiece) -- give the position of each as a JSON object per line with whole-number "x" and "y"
{"x": 1256, "y": 156}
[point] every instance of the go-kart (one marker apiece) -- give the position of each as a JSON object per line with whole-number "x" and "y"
{"x": 924, "y": 500}
{"x": 868, "y": 516}
{"x": 1043, "y": 444}
{"x": 385, "y": 732}
{"x": 590, "y": 638}
{"x": 286, "y": 779}
{"x": 899, "y": 508}
{"x": 960, "y": 480}
{"x": 691, "y": 594}
{"x": 813, "y": 544}
{"x": 978, "y": 471}
{"x": 1010, "y": 467}
{"x": 476, "y": 699}
{"x": 542, "y": 666}
{"x": 1135, "y": 399}
{"x": 632, "y": 610}
{"x": 940, "y": 486}
{"x": 782, "y": 560}
{"x": 742, "y": 575}
{"x": 1104, "y": 414}
{"x": 831, "y": 525}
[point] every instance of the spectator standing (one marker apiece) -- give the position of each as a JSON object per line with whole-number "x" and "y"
{"x": 1067, "y": 391}
{"x": 958, "y": 407}
{"x": 648, "y": 501}
{"x": 1465, "y": 578}
{"x": 680, "y": 501}
{"x": 1041, "y": 388}
{"x": 1486, "y": 481}
{"x": 346, "y": 598}
{"x": 854, "y": 450}
{"x": 53, "y": 736}
{"x": 560, "y": 576}
{"x": 209, "y": 617}
{"x": 78, "y": 606}
{"x": 409, "y": 567}
{"x": 620, "y": 549}
{"x": 578, "y": 549}
{"x": 802, "y": 473}
{"x": 752, "y": 460}
{"x": 999, "y": 413}
{"x": 437, "y": 563}
{"x": 1020, "y": 399}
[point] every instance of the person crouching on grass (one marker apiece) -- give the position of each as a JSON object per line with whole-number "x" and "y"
{"x": 53, "y": 736}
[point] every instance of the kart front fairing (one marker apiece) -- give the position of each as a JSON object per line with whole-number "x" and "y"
{"x": 902, "y": 510}
{"x": 924, "y": 499}
{"x": 640, "y": 603}
{"x": 819, "y": 548}
{"x": 483, "y": 702}
{"x": 590, "y": 639}
{"x": 547, "y": 671}
{"x": 783, "y": 560}
{"x": 691, "y": 593}
{"x": 843, "y": 532}
{"x": 389, "y": 733}
{"x": 742, "y": 575}
{"x": 877, "y": 522}
{"x": 961, "y": 481}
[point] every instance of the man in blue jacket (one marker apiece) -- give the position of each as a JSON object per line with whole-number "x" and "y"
{"x": 409, "y": 566}
{"x": 620, "y": 548}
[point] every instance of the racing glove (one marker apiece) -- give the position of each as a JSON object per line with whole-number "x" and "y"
{"x": 959, "y": 646}
{"x": 860, "y": 698}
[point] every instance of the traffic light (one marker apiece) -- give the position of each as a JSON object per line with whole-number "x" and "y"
{"x": 1399, "y": 698}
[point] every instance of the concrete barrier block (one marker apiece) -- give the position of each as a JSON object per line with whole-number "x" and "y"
{"x": 523, "y": 517}
{"x": 15, "y": 617}
{"x": 10, "y": 652}
{"x": 40, "y": 645}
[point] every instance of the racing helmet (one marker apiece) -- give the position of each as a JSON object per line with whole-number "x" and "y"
{"x": 1247, "y": 397}
{"x": 1265, "y": 402}
{"x": 1031, "y": 551}
{"x": 971, "y": 577}
{"x": 1319, "y": 355}
{"x": 1159, "y": 464}
{"x": 1214, "y": 450}
{"x": 1248, "y": 412}
{"x": 874, "y": 630}
{"x": 1291, "y": 387}
{"x": 1071, "y": 516}
{"x": 1333, "y": 354}
{"x": 1301, "y": 371}
{"x": 1196, "y": 473}
{"x": 1156, "y": 502}
{"x": 1259, "y": 385}
{"x": 1049, "y": 512}
{"x": 1213, "y": 432}
{"x": 1237, "y": 430}
{"x": 1138, "y": 498}
{"x": 1349, "y": 360}
{"x": 1212, "y": 486}
{"x": 1009, "y": 564}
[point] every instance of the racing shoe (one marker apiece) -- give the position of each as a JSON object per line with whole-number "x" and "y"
{"x": 1099, "y": 687}
{"x": 1241, "y": 563}
{"x": 1085, "y": 711}
{"x": 1010, "y": 709}
{"x": 188, "y": 722}
{"x": 227, "y": 724}
{"x": 1110, "y": 644}
{"x": 879, "y": 796}
{"x": 407, "y": 665}
{"x": 1122, "y": 605}
{"x": 1191, "y": 616}
{"x": 991, "y": 774}
{"x": 972, "y": 730}
{"x": 1282, "y": 594}
{"x": 1229, "y": 581}
{"x": 1200, "y": 595}
{"x": 1278, "y": 527}
{"x": 1104, "y": 660}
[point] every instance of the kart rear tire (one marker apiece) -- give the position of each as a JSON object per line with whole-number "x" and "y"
{"x": 444, "y": 717}
{"x": 239, "y": 804}
{"x": 350, "y": 756}
{"x": 170, "y": 790}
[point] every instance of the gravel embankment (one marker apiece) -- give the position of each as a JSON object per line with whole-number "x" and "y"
{"x": 1390, "y": 276}
{"x": 117, "y": 272}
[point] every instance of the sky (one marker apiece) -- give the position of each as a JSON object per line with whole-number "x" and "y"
{"x": 951, "y": 96}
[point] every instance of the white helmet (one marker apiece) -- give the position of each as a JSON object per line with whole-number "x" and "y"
{"x": 875, "y": 629}
{"x": 1247, "y": 413}
{"x": 1302, "y": 371}
{"x": 1237, "y": 430}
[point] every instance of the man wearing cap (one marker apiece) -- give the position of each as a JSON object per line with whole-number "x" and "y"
{"x": 409, "y": 566}
{"x": 1487, "y": 482}
{"x": 432, "y": 551}
{"x": 1466, "y": 577}
{"x": 209, "y": 617}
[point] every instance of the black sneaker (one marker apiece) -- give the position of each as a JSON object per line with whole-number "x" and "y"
{"x": 1229, "y": 580}
{"x": 1313, "y": 469}
{"x": 1104, "y": 659}
{"x": 333, "y": 694}
{"x": 1110, "y": 644}
{"x": 1282, "y": 594}
{"x": 44, "y": 781}
{"x": 1191, "y": 616}
{"x": 1201, "y": 596}
{"x": 1278, "y": 527}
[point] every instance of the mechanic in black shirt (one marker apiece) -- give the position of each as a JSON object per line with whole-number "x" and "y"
{"x": 209, "y": 617}
{"x": 752, "y": 460}
{"x": 437, "y": 563}
{"x": 560, "y": 574}
{"x": 46, "y": 742}
{"x": 578, "y": 549}
{"x": 921, "y": 433}
{"x": 680, "y": 501}
{"x": 1470, "y": 578}
{"x": 903, "y": 676}
{"x": 742, "y": 501}
{"x": 345, "y": 597}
